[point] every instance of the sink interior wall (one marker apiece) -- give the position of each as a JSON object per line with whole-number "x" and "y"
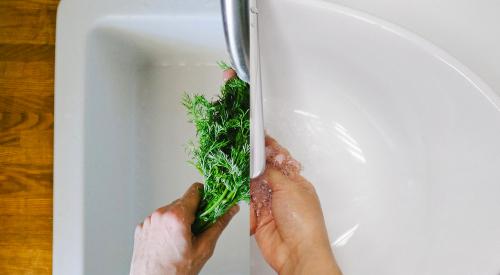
{"x": 136, "y": 131}
{"x": 384, "y": 126}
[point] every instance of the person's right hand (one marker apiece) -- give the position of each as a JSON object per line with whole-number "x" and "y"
{"x": 292, "y": 235}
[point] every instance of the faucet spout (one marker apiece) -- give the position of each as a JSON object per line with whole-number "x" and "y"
{"x": 240, "y": 20}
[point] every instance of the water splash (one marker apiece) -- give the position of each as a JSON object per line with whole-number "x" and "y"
{"x": 260, "y": 191}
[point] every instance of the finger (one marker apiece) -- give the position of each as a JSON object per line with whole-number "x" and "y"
{"x": 275, "y": 179}
{"x": 191, "y": 199}
{"x": 270, "y": 141}
{"x": 138, "y": 230}
{"x": 228, "y": 74}
{"x": 206, "y": 241}
{"x": 278, "y": 181}
{"x": 253, "y": 220}
{"x": 274, "y": 149}
{"x": 147, "y": 222}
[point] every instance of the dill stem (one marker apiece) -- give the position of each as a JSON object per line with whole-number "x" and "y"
{"x": 232, "y": 194}
{"x": 215, "y": 203}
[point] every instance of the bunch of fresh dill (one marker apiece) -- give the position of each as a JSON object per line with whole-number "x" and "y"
{"x": 222, "y": 153}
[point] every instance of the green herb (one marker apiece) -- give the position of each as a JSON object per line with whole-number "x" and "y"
{"x": 222, "y": 153}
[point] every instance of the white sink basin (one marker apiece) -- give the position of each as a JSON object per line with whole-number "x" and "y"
{"x": 400, "y": 140}
{"x": 121, "y": 128}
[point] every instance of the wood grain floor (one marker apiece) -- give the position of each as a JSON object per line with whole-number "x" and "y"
{"x": 27, "y": 38}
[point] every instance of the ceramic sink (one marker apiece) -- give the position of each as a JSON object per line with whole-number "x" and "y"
{"x": 122, "y": 132}
{"x": 400, "y": 140}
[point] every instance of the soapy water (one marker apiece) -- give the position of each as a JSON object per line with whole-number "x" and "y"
{"x": 260, "y": 191}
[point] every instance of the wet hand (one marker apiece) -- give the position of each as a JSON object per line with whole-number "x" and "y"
{"x": 291, "y": 234}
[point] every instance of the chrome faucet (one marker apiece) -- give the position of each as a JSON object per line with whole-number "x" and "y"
{"x": 240, "y": 20}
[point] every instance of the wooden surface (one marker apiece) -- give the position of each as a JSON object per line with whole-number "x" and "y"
{"x": 27, "y": 36}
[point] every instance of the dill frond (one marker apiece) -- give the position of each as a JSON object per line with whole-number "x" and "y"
{"x": 222, "y": 153}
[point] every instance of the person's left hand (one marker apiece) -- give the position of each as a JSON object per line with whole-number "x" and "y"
{"x": 164, "y": 244}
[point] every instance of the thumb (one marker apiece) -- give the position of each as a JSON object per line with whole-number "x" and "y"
{"x": 205, "y": 242}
